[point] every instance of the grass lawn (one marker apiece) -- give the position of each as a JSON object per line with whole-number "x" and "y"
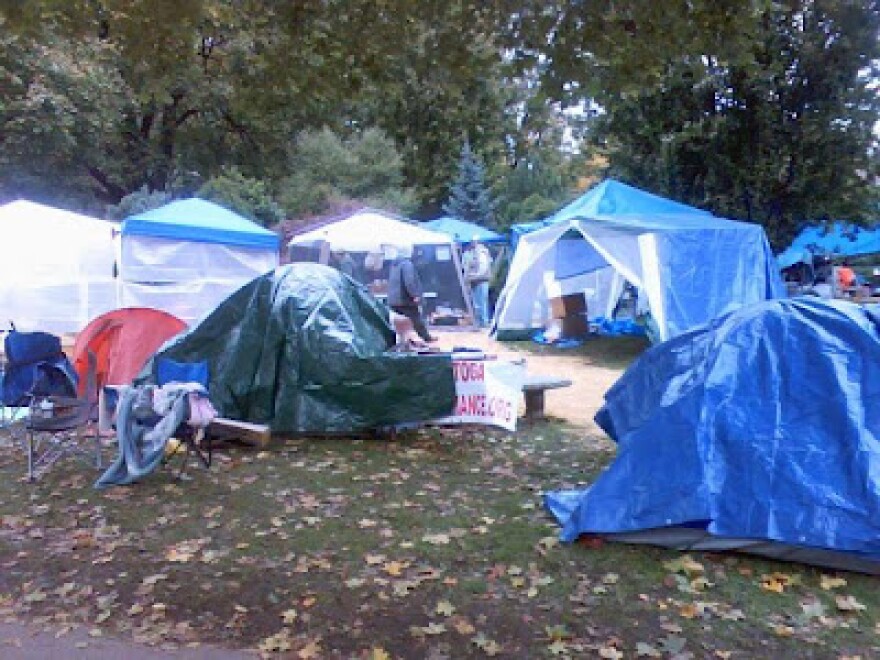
{"x": 433, "y": 545}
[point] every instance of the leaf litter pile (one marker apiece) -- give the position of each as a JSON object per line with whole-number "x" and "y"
{"x": 433, "y": 545}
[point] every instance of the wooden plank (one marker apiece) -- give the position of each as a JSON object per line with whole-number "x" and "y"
{"x": 532, "y": 383}
{"x": 258, "y": 435}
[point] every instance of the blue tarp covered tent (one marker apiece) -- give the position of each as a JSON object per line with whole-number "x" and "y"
{"x": 687, "y": 265}
{"x": 759, "y": 431}
{"x": 841, "y": 239}
{"x": 462, "y": 231}
{"x": 184, "y": 258}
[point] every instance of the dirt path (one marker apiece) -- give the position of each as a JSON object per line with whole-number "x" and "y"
{"x": 576, "y": 404}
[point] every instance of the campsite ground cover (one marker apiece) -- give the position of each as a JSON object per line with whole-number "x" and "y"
{"x": 434, "y": 544}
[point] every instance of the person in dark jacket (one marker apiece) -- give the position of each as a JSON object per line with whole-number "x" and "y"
{"x": 405, "y": 290}
{"x": 343, "y": 262}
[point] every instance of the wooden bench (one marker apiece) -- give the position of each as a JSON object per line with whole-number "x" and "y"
{"x": 534, "y": 388}
{"x": 257, "y": 435}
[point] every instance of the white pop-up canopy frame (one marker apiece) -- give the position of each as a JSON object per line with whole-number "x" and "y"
{"x": 369, "y": 233}
{"x": 188, "y": 256}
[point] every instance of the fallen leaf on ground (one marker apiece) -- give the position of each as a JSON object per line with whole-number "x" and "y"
{"x": 610, "y": 653}
{"x": 558, "y": 647}
{"x": 685, "y": 564}
{"x": 310, "y": 650}
{"x": 445, "y": 608}
{"x": 645, "y": 650}
{"x": 829, "y": 582}
{"x": 849, "y": 604}
{"x": 436, "y": 539}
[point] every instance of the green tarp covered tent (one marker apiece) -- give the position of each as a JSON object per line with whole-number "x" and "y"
{"x": 304, "y": 349}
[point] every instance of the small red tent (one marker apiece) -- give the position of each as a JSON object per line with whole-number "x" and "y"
{"x": 122, "y": 341}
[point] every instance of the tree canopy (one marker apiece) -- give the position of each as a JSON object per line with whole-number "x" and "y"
{"x": 758, "y": 110}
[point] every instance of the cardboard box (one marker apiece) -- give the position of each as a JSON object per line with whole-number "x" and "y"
{"x": 570, "y": 305}
{"x": 575, "y": 326}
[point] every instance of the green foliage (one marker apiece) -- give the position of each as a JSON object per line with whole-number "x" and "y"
{"x": 139, "y": 201}
{"x": 754, "y": 109}
{"x": 326, "y": 169}
{"x": 534, "y": 189}
{"x": 60, "y": 105}
{"x": 469, "y": 197}
{"x": 762, "y": 111}
{"x": 244, "y": 195}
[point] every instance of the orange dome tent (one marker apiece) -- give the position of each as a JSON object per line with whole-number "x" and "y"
{"x": 122, "y": 341}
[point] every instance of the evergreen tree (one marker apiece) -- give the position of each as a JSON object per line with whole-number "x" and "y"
{"x": 469, "y": 196}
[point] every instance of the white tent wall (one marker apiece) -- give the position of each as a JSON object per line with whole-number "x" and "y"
{"x": 156, "y": 259}
{"x": 186, "y": 278}
{"x": 523, "y": 303}
{"x": 56, "y": 273}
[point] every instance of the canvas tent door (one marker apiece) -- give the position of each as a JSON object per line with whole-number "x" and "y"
{"x": 185, "y": 258}
{"x": 562, "y": 260}
{"x": 56, "y": 272}
{"x": 370, "y": 238}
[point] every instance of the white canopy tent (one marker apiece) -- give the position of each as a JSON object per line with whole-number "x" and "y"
{"x": 188, "y": 256}
{"x": 369, "y": 235}
{"x": 369, "y": 231}
{"x": 57, "y": 268}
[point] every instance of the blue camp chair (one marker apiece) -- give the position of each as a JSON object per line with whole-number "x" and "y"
{"x": 55, "y": 422}
{"x": 34, "y": 365}
{"x": 30, "y": 362}
{"x": 38, "y": 378}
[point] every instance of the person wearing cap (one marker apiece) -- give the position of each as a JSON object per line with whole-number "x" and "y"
{"x": 405, "y": 289}
{"x": 477, "y": 264}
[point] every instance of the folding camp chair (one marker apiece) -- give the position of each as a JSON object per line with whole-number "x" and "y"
{"x": 54, "y": 424}
{"x": 191, "y": 442}
{"x": 30, "y": 363}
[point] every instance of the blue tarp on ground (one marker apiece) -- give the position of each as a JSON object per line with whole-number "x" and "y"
{"x": 199, "y": 220}
{"x": 764, "y": 424}
{"x": 841, "y": 239}
{"x": 461, "y": 231}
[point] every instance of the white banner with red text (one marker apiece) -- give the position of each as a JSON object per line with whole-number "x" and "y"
{"x": 486, "y": 392}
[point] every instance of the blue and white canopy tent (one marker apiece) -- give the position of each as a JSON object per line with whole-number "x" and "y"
{"x": 462, "y": 231}
{"x": 688, "y": 265}
{"x": 186, "y": 257}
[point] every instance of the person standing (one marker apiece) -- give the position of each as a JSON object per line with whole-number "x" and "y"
{"x": 343, "y": 262}
{"x": 477, "y": 263}
{"x": 405, "y": 291}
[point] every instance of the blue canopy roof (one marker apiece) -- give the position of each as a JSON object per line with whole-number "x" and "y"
{"x": 612, "y": 199}
{"x": 462, "y": 231}
{"x": 199, "y": 220}
{"x": 842, "y": 239}
{"x": 761, "y": 425}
